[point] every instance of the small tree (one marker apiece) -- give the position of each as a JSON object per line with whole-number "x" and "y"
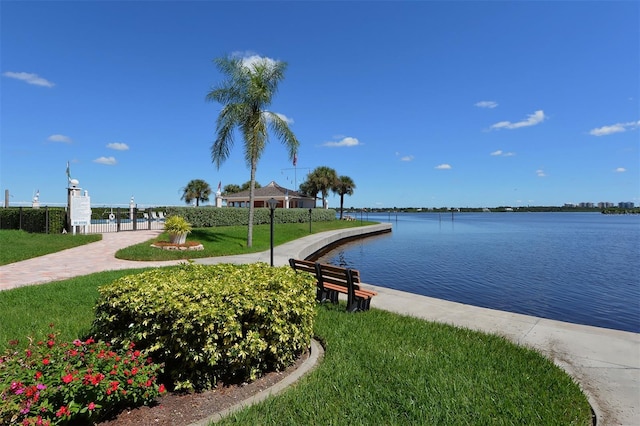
{"x": 197, "y": 190}
{"x": 322, "y": 179}
{"x": 232, "y": 188}
{"x": 344, "y": 186}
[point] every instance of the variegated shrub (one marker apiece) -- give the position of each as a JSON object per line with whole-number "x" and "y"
{"x": 208, "y": 322}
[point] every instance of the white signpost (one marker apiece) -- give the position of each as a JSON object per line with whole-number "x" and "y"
{"x": 81, "y": 210}
{"x": 79, "y": 206}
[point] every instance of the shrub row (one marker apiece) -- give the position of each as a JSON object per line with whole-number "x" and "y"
{"x": 50, "y": 220}
{"x": 210, "y": 322}
{"x": 202, "y": 217}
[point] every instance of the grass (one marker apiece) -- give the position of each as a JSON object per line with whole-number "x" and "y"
{"x": 68, "y": 304}
{"x": 384, "y": 368}
{"x": 379, "y": 367}
{"x": 21, "y": 245}
{"x": 230, "y": 240}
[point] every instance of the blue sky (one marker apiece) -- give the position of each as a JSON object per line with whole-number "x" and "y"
{"x": 424, "y": 104}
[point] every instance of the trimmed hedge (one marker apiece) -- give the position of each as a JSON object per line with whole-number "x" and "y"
{"x": 204, "y": 217}
{"x": 43, "y": 220}
{"x": 210, "y": 322}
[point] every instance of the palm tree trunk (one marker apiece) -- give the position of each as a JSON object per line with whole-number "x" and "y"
{"x": 341, "y": 204}
{"x": 252, "y": 188}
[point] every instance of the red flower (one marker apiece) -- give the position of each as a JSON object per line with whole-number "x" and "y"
{"x": 51, "y": 343}
{"x": 46, "y": 361}
{"x": 91, "y": 406}
{"x": 63, "y": 411}
{"x": 95, "y": 380}
{"x": 38, "y": 375}
{"x": 161, "y": 389}
{"x": 68, "y": 378}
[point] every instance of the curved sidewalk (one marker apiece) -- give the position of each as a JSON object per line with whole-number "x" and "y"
{"x": 606, "y": 363}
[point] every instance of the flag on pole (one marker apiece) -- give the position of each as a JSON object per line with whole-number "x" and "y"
{"x": 295, "y": 159}
{"x": 219, "y": 185}
{"x": 68, "y": 172}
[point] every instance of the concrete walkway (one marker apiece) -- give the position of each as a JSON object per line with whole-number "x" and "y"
{"x": 606, "y": 363}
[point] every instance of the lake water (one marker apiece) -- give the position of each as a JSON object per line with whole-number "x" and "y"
{"x": 582, "y": 268}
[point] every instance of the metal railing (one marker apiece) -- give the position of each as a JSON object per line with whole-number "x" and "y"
{"x": 124, "y": 219}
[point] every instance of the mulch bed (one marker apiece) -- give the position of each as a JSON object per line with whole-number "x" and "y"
{"x": 184, "y": 409}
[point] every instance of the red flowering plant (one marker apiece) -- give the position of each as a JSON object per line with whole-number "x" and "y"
{"x": 51, "y": 383}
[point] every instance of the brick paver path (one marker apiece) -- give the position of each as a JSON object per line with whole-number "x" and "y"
{"x": 83, "y": 260}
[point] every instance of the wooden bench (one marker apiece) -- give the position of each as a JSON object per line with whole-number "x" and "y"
{"x": 333, "y": 281}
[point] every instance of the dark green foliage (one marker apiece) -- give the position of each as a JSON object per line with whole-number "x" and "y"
{"x": 43, "y": 220}
{"x": 204, "y": 217}
{"x": 207, "y": 322}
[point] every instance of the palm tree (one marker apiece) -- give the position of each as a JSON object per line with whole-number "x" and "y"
{"x": 344, "y": 186}
{"x": 232, "y": 188}
{"x": 321, "y": 179}
{"x": 245, "y": 95}
{"x": 196, "y": 189}
{"x": 309, "y": 188}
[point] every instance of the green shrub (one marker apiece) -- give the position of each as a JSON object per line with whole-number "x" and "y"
{"x": 204, "y": 217}
{"x": 43, "y": 220}
{"x": 177, "y": 225}
{"x": 208, "y": 322}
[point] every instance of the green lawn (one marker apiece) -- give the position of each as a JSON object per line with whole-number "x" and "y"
{"x": 21, "y": 245}
{"x": 230, "y": 240}
{"x": 379, "y": 367}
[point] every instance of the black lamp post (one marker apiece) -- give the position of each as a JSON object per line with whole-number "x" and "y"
{"x": 273, "y": 203}
{"x": 310, "y": 220}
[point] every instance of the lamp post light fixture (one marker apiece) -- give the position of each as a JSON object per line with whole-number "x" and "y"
{"x": 273, "y": 203}
{"x": 310, "y": 220}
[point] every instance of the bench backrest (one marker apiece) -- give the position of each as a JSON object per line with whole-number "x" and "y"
{"x": 303, "y": 265}
{"x": 330, "y": 274}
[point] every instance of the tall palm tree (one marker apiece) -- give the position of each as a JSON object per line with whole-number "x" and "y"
{"x": 196, "y": 189}
{"x": 321, "y": 179}
{"x": 245, "y": 94}
{"x": 344, "y": 186}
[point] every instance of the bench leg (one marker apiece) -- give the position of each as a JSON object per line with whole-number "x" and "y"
{"x": 325, "y": 295}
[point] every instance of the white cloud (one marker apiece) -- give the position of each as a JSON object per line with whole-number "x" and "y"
{"x": 500, "y": 153}
{"x": 108, "y": 161}
{"x": 443, "y": 167}
{"x": 540, "y": 173}
{"x": 346, "y": 141}
{"x": 615, "y": 128}
{"x": 29, "y": 78}
{"x": 486, "y": 104}
{"x": 59, "y": 138}
{"x": 620, "y": 170}
{"x": 118, "y": 146}
{"x": 250, "y": 60}
{"x": 407, "y": 158}
{"x": 531, "y": 120}
{"x": 285, "y": 118}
